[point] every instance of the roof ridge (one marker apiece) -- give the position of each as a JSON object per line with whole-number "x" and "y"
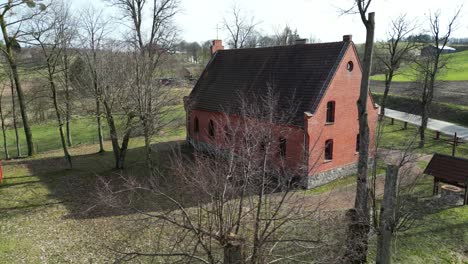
{"x": 449, "y": 156}
{"x": 282, "y": 46}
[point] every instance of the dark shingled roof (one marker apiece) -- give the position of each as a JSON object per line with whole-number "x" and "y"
{"x": 448, "y": 168}
{"x": 300, "y": 72}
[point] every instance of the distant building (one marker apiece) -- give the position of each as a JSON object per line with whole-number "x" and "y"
{"x": 429, "y": 50}
{"x": 326, "y": 79}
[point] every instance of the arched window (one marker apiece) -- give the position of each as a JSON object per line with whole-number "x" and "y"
{"x": 350, "y": 66}
{"x": 330, "y": 112}
{"x": 196, "y": 126}
{"x": 329, "y": 149}
{"x": 282, "y": 147}
{"x": 211, "y": 128}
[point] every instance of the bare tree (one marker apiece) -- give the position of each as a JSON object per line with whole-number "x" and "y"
{"x": 395, "y": 51}
{"x": 285, "y": 36}
{"x": 10, "y": 20}
{"x": 69, "y": 29}
{"x": 357, "y": 241}
{"x": 49, "y": 32}
{"x": 13, "y": 112}
{"x": 430, "y": 65}
{"x": 2, "y": 119}
{"x": 240, "y": 27}
{"x": 234, "y": 202}
{"x": 94, "y": 29}
{"x": 149, "y": 48}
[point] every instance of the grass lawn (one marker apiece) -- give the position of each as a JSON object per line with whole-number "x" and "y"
{"x": 457, "y": 70}
{"x": 41, "y": 206}
{"x": 83, "y": 129}
{"x": 395, "y": 137}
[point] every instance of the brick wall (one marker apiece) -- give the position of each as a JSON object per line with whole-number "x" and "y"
{"x": 344, "y": 91}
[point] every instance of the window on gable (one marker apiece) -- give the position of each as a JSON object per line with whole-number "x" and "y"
{"x": 211, "y": 128}
{"x": 330, "y": 112}
{"x": 358, "y": 142}
{"x": 329, "y": 149}
{"x": 282, "y": 147}
{"x": 350, "y": 66}
{"x": 196, "y": 127}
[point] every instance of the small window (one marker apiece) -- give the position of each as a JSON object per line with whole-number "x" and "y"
{"x": 331, "y": 112}
{"x": 211, "y": 128}
{"x": 350, "y": 66}
{"x": 358, "y": 142}
{"x": 329, "y": 149}
{"x": 282, "y": 147}
{"x": 196, "y": 127}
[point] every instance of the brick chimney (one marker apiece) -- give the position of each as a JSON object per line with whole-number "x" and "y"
{"x": 215, "y": 46}
{"x": 347, "y": 37}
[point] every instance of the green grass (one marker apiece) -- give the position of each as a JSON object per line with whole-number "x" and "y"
{"x": 83, "y": 129}
{"x": 457, "y": 70}
{"x": 339, "y": 183}
{"x": 453, "y": 113}
{"x": 395, "y": 137}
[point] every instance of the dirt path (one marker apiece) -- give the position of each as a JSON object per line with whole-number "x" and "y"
{"x": 343, "y": 197}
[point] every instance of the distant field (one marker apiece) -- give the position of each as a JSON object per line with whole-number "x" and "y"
{"x": 457, "y": 70}
{"x": 452, "y": 92}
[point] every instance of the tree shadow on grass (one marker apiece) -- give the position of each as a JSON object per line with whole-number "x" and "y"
{"x": 85, "y": 189}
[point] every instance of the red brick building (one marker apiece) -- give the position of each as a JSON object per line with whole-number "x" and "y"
{"x": 324, "y": 78}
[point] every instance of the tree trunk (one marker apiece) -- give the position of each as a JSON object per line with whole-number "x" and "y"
{"x": 60, "y": 122}
{"x": 16, "y": 78}
{"x": 119, "y": 152}
{"x": 99, "y": 126}
{"x": 15, "y": 122}
{"x": 67, "y": 99}
{"x": 5, "y": 145}
{"x": 383, "y": 103}
{"x": 357, "y": 241}
{"x": 113, "y": 135}
{"x": 422, "y": 128}
{"x": 147, "y": 136}
{"x": 387, "y": 216}
{"x": 233, "y": 254}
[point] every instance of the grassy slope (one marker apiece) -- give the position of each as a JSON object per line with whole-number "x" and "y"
{"x": 40, "y": 228}
{"x": 457, "y": 70}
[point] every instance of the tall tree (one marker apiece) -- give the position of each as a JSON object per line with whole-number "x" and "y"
{"x": 359, "y": 226}
{"x": 94, "y": 28}
{"x": 239, "y": 26}
{"x": 49, "y": 32}
{"x": 395, "y": 51}
{"x": 2, "y": 119}
{"x": 149, "y": 51}
{"x": 13, "y": 111}
{"x": 9, "y": 11}
{"x": 430, "y": 65}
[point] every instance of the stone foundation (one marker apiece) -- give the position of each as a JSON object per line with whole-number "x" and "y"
{"x": 330, "y": 175}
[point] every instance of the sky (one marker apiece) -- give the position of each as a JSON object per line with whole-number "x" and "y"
{"x": 320, "y": 19}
